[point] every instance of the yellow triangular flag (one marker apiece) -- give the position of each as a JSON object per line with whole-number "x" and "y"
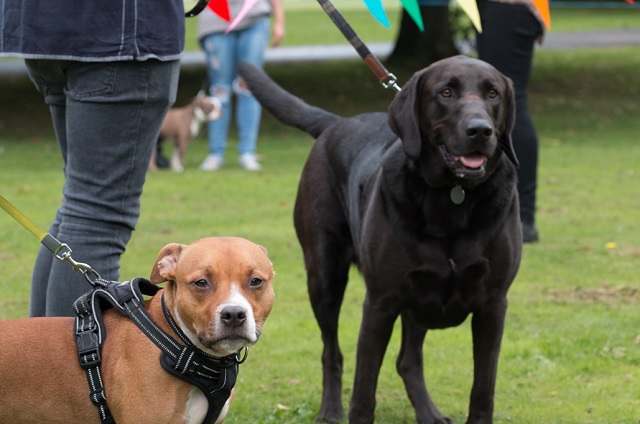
{"x": 471, "y": 9}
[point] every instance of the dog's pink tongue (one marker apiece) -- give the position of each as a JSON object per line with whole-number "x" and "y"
{"x": 472, "y": 161}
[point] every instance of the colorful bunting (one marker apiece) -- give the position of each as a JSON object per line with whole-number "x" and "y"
{"x": 543, "y": 9}
{"x": 413, "y": 9}
{"x": 376, "y": 9}
{"x": 246, "y": 6}
{"x": 470, "y": 7}
{"x": 220, "y": 8}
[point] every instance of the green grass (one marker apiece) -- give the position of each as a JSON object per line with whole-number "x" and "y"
{"x": 577, "y": 19}
{"x": 571, "y": 351}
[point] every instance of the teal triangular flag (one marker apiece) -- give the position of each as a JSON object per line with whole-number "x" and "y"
{"x": 376, "y": 9}
{"x": 413, "y": 9}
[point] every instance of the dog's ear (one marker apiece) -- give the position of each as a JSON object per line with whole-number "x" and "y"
{"x": 266, "y": 252}
{"x": 404, "y": 115}
{"x": 505, "y": 140}
{"x": 165, "y": 265}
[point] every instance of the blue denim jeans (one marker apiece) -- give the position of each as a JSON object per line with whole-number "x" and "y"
{"x": 107, "y": 117}
{"x": 224, "y": 52}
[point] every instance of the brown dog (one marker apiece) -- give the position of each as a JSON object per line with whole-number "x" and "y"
{"x": 423, "y": 200}
{"x": 207, "y": 281}
{"x": 182, "y": 124}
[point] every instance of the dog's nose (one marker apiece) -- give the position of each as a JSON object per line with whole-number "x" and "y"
{"x": 479, "y": 130}
{"x": 233, "y": 316}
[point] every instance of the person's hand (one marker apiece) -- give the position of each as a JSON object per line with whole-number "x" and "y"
{"x": 277, "y": 27}
{"x": 277, "y": 34}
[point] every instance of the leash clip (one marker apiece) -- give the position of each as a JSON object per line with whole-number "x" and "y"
{"x": 391, "y": 82}
{"x": 63, "y": 254}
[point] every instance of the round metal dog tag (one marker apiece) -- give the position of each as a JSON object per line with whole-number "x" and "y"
{"x": 457, "y": 194}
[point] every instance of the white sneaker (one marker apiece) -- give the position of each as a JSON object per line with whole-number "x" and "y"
{"x": 249, "y": 162}
{"x": 212, "y": 163}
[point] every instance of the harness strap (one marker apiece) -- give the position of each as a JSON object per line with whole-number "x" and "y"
{"x": 214, "y": 376}
{"x": 89, "y": 338}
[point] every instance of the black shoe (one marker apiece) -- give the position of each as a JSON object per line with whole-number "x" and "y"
{"x": 529, "y": 233}
{"x": 162, "y": 162}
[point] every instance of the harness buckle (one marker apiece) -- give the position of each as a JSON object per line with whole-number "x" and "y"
{"x": 98, "y": 397}
{"x": 88, "y": 348}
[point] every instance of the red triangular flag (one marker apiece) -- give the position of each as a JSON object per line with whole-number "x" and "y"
{"x": 220, "y": 8}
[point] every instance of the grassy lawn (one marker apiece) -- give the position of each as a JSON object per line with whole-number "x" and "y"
{"x": 571, "y": 352}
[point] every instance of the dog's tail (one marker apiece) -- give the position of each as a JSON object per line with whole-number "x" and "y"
{"x": 286, "y": 107}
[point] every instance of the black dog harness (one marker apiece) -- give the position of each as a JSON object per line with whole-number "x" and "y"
{"x": 215, "y": 377}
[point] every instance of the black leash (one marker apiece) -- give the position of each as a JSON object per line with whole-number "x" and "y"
{"x": 195, "y": 10}
{"x": 386, "y": 78}
{"x": 215, "y": 377}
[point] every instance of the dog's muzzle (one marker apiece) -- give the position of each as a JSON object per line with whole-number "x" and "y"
{"x": 464, "y": 166}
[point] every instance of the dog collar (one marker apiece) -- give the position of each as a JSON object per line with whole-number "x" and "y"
{"x": 215, "y": 377}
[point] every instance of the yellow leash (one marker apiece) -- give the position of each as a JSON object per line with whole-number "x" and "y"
{"x": 60, "y": 250}
{"x": 31, "y": 226}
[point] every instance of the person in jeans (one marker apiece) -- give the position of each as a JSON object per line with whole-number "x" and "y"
{"x": 108, "y": 72}
{"x": 224, "y": 50}
{"x": 510, "y": 31}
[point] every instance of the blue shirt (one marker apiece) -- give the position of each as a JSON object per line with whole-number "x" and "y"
{"x": 92, "y": 30}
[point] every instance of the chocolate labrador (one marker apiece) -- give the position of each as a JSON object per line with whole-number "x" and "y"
{"x": 423, "y": 200}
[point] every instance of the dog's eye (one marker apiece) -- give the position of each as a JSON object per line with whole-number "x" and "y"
{"x": 201, "y": 284}
{"x": 493, "y": 93}
{"x": 447, "y": 92}
{"x": 255, "y": 282}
